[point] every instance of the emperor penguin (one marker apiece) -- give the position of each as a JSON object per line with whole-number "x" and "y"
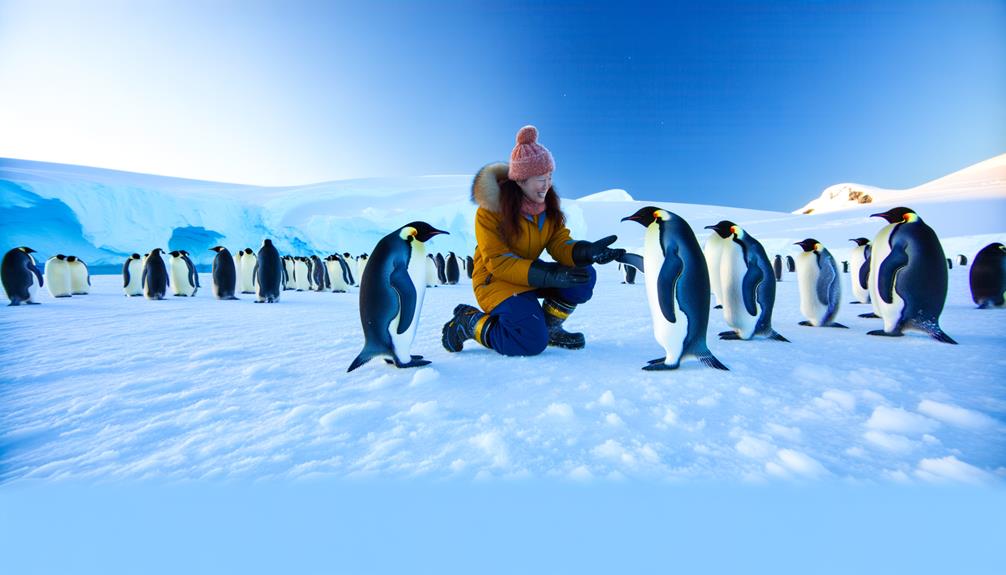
{"x": 451, "y": 269}
{"x": 790, "y": 264}
{"x": 317, "y": 274}
{"x": 988, "y": 276}
{"x": 247, "y": 275}
{"x": 300, "y": 273}
{"x": 237, "y": 270}
{"x": 391, "y": 295}
{"x": 155, "y": 275}
{"x": 182, "y": 275}
{"x": 20, "y": 276}
{"x": 192, "y": 266}
{"x": 677, "y": 288}
{"x": 819, "y": 283}
{"x": 57, "y": 276}
{"x": 748, "y": 284}
{"x": 909, "y": 265}
{"x": 716, "y": 244}
{"x": 441, "y": 272}
{"x": 628, "y": 274}
{"x": 962, "y": 260}
{"x": 335, "y": 273}
{"x": 80, "y": 278}
{"x": 268, "y": 273}
{"x": 353, "y": 271}
{"x": 224, "y": 277}
{"x": 361, "y": 264}
{"x": 431, "y": 271}
{"x": 469, "y": 264}
{"x": 859, "y": 269}
{"x": 777, "y": 267}
{"x": 288, "y": 280}
{"x": 132, "y": 276}
{"x": 347, "y": 274}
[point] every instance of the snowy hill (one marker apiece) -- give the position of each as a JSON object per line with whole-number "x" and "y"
{"x": 983, "y": 180}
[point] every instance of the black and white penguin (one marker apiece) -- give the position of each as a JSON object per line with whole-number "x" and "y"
{"x": 748, "y": 284}
{"x": 859, "y": 269}
{"x": 950, "y": 264}
{"x": 790, "y": 264}
{"x": 909, "y": 267}
{"x": 845, "y": 266}
{"x": 192, "y": 267}
{"x": 962, "y": 260}
{"x": 287, "y": 274}
{"x": 317, "y": 274}
{"x": 224, "y": 276}
{"x": 431, "y": 271}
{"x": 391, "y": 295}
{"x": 20, "y": 276}
{"x": 57, "y": 276}
{"x": 336, "y": 275}
{"x": 132, "y": 276}
{"x": 183, "y": 275}
{"x": 237, "y": 270}
{"x": 988, "y": 276}
{"x": 347, "y": 272}
{"x": 777, "y": 267}
{"x": 361, "y": 264}
{"x": 677, "y": 288}
{"x": 268, "y": 273}
{"x": 155, "y": 275}
{"x": 438, "y": 259}
{"x": 301, "y": 273}
{"x": 80, "y": 276}
{"x": 819, "y": 283}
{"x": 246, "y": 278}
{"x": 451, "y": 269}
{"x": 716, "y": 243}
{"x": 469, "y": 264}
{"x": 628, "y": 273}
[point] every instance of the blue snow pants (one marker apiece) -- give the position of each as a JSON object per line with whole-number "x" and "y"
{"x": 518, "y": 323}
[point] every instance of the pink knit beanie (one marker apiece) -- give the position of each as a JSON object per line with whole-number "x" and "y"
{"x": 529, "y": 158}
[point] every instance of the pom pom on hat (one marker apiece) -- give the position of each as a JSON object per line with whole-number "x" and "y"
{"x": 529, "y": 158}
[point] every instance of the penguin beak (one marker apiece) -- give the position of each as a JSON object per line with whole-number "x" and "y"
{"x": 628, "y": 219}
{"x": 709, "y": 228}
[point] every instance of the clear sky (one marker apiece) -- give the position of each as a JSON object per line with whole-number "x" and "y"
{"x": 751, "y": 104}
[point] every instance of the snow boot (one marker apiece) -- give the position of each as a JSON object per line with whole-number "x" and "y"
{"x": 556, "y": 312}
{"x": 468, "y": 323}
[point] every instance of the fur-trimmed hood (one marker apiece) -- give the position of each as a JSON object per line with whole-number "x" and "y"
{"x": 486, "y": 187}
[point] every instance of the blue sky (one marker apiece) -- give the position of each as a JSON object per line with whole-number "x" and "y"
{"x": 747, "y": 104}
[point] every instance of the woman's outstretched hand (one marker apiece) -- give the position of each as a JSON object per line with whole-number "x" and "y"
{"x": 553, "y": 275}
{"x": 586, "y": 253}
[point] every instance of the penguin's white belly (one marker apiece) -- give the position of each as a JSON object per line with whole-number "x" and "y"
{"x": 180, "y": 278}
{"x": 890, "y": 312}
{"x": 57, "y": 278}
{"x": 431, "y": 273}
{"x": 807, "y": 274}
{"x": 732, "y": 270}
{"x": 857, "y": 259}
{"x": 670, "y": 336}
{"x": 134, "y": 287}
{"x": 417, "y": 273}
{"x": 335, "y": 273}
{"x": 713, "y": 252}
{"x": 78, "y": 279}
{"x": 300, "y": 275}
{"x": 248, "y": 273}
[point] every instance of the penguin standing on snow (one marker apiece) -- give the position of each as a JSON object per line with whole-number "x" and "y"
{"x": 183, "y": 280}
{"x": 859, "y": 269}
{"x": 988, "y": 276}
{"x": 132, "y": 276}
{"x": 80, "y": 277}
{"x": 962, "y": 260}
{"x": 361, "y": 264}
{"x": 317, "y": 274}
{"x": 677, "y": 288}
{"x": 628, "y": 273}
{"x": 716, "y": 243}
{"x": 57, "y": 276}
{"x": 777, "y": 267}
{"x": 300, "y": 274}
{"x": 224, "y": 276}
{"x": 20, "y": 276}
{"x": 748, "y": 284}
{"x": 818, "y": 279}
{"x": 451, "y": 269}
{"x": 391, "y": 296}
{"x": 347, "y": 273}
{"x": 909, "y": 265}
{"x": 790, "y": 264}
{"x": 431, "y": 271}
{"x": 441, "y": 271}
{"x": 237, "y": 270}
{"x": 469, "y": 264}
{"x": 247, "y": 271}
{"x": 155, "y": 275}
{"x": 268, "y": 273}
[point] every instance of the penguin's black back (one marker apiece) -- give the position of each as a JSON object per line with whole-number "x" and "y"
{"x": 15, "y": 272}
{"x": 452, "y": 271}
{"x": 922, "y": 283}
{"x": 755, "y": 256}
{"x": 270, "y": 271}
{"x": 988, "y": 276}
{"x": 224, "y": 274}
{"x": 155, "y": 276}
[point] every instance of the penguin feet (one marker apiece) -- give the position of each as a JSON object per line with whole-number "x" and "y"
{"x": 729, "y": 336}
{"x": 658, "y": 360}
{"x": 884, "y": 333}
{"x": 414, "y": 363}
{"x": 806, "y": 323}
{"x": 870, "y": 315}
{"x": 836, "y": 324}
{"x": 660, "y": 366}
{"x": 414, "y": 358}
{"x": 718, "y": 307}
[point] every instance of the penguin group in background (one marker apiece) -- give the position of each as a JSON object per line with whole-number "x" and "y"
{"x": 20, "y": 276}
{"x": 748, "y": 285}
{"x": 988, "y": 277}
{"x": 908, "y": 275}
{"x": 80, "y": 277}
{"x": 246, "y": 278}
{"x": 790, "y": 264}
{"x": 441, "y": 272}
{"x": 777, "y": 267}
{"x": 391, "y": 296}
{"x": 431, "y": 271}
{"x": 716, "y": 243}
{"x": 451, "y": 269}
{"x": 57, "y": 276}
{"x": 820, "y": 288}
{"x": 182, "y": 275}
{"x": 155, "y": 275}
{"x": 677, "y": 288}
{"x": 469, "y": 264}
{"x": 268, "y": 273}
{"x": 628, "y": 273}
{"x": 859, "y": 269}
{"x": 132, "y": 276}
{"x": 224, "y": 277}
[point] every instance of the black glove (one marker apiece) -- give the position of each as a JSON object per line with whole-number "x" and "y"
{"x": 553, "y": 275}
{"x": 586, "y": 253}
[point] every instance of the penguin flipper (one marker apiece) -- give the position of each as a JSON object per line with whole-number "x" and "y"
{"x": 889, "y": 268}
{"x": 125, "y": 275}
{"x": 38, "y": 274}
{"x": 143, "y": 278}
{"x": 402, "y": 283}
{"x": 749, "y": 285}
{"x": 633, "y": 260}
{"x": 826, "y": 283}
{"x": 669, "y": 274}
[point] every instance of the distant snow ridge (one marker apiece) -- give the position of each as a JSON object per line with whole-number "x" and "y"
{"x": 615, "y": 195}
{"x": 985, "y": 179}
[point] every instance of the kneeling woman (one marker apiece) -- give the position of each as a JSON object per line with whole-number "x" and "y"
{"x": 517, "y": 219}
